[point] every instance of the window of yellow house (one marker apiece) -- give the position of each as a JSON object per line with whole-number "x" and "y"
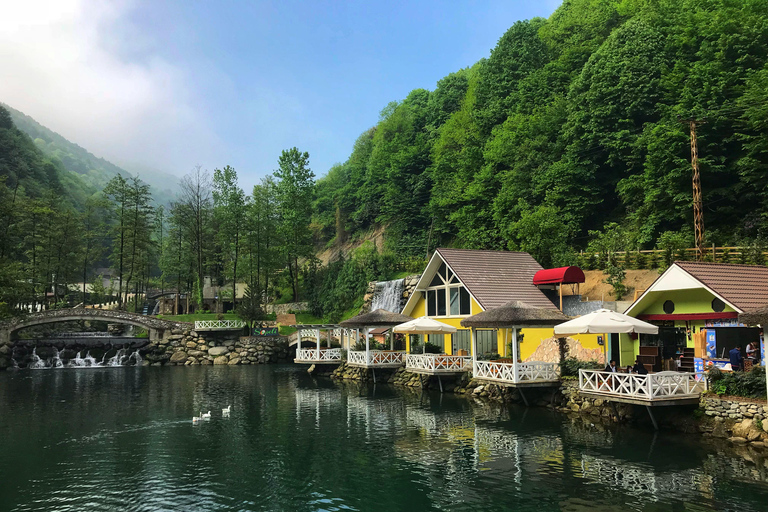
{"x": 446, "y": 296}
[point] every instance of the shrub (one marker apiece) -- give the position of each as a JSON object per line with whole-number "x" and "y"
{"x": 749, "y": 384}
{"x": 431, "y": 348}
{"x": 571, "y": 366}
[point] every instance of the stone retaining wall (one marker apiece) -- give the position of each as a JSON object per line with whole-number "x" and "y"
{"x": 284, "y": 309}
{"x": 732, "y": 409}
{"x": 399, "y": 377}
{"x": 188, "y": 347}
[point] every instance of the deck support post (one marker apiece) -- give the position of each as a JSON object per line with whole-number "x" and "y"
{"x": 514, "y": 357}
{"x": 373, "y": 372}
{"x": 440, "y": 382}
{"x": 653, "y": 418}
{"x": 522, "y": 394}
{"x": 367, "y": 347}
{"x": 473, "y": 348}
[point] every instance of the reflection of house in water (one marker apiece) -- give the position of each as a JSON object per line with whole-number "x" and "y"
{"x": 642, "y": 481}
{"x": 313, "y": 402}
{"x": 378, "y": 416}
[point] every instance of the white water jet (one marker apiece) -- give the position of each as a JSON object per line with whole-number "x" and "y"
{"x": 56, "y": 360}
{"x": 90, "y": 360}
{"x": 77, "y": 362}
{"x": 37, "y": 363}
{"x": 117, "y": 359}
{"x": 387, "y": 295}
{"x": 136, "y": 358}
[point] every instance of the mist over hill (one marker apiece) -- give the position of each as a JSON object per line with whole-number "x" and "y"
{"x": 94, "y": 171}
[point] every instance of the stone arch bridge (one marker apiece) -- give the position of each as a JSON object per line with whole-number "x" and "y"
{"x": 156, "y": 327}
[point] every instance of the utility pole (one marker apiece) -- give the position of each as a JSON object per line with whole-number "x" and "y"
{"x": 698, "y": 214}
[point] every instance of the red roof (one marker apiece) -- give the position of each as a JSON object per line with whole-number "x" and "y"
{"x": 562, "y": 275}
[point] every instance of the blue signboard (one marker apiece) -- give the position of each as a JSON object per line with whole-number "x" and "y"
{"x": 711, "y": 343}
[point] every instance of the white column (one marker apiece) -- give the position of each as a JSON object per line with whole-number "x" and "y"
{"x": 391, "y": 339}
{"x": 367, "y": 347}
{"x": 514, "y": 353}
{"x": 317, "y": 344}
{"x": 357, "y": 336}
{"x": 329, "y": 332}
{"x": 298, "y": 340}
{"x": 473, "y": 348}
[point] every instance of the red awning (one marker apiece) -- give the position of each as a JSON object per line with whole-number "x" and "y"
{"x": 562, "y": 275}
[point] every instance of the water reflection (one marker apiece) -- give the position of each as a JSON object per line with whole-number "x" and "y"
{"x": 122, "y": 439}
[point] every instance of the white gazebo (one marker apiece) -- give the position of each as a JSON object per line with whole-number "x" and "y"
{"x": 374, "y": 358}
{"x": 319, "y": 354}
{"x": 431, "y": 364}
{"x": 514, "y": 315}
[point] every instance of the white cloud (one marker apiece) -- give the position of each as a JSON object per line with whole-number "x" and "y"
{"x": 64, "y": 63}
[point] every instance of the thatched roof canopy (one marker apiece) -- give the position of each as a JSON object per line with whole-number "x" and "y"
{"x": 377, "y": 318}
{"x": 756, "y": 316}
{"x": 515, "y": 314}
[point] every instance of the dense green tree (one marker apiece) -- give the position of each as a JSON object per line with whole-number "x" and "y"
{"x": 229, "y": 213}
{"x": 294, "y": 191}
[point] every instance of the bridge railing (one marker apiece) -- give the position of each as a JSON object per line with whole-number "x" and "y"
{"x": 81, "y": 335}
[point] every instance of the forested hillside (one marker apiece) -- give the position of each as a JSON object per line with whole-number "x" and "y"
{"x": 93, "y": 171}
{"x": 570, "y": 128}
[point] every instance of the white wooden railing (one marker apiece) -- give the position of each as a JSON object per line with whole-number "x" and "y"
{"x": 436, "y": 362}
{"x": 324, "y": 354}
{"x": 375, "y": 357}
{"x": 219, "y": 324}
{"x": 654, "y": 386}
{"x": 336, "y": 333}
{"x": 526, "y": 372}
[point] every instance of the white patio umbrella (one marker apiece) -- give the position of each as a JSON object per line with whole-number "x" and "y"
{"x": 605, "y": 321}
{"x": 424, "y": 325}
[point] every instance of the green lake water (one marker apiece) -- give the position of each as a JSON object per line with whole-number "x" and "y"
{"x": 122, "y": 439}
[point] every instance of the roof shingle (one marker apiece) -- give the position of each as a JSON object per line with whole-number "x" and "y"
{"x": 497, "y": 277}
{"x": 744, "y": 286}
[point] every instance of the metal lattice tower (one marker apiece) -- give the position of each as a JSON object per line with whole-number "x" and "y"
{"x": 698, "y": 213}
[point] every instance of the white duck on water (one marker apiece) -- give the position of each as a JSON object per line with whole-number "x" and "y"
{"x": 226, "y": 410}
{"x": 206, "y": 416}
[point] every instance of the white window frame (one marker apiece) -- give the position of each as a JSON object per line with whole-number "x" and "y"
{"x": 446, "y": 289}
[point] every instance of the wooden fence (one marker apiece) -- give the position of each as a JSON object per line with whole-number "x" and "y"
{"x": 654, "y": 258}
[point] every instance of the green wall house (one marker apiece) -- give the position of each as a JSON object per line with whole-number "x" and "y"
{"x": 691, "y": 297}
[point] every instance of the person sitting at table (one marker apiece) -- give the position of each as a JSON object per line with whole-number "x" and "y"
{"x": 736, "y": 359}
{"x": 611, "y": 367}
{"x": 639, "y": 368}
{"x": 751, "y": 350}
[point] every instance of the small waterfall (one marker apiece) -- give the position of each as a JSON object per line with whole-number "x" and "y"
{"x": 56, "y": 360}
{"x": 77, "y": 361}
{"x": 117, "y": 359}
{"x": 36, "y": 363}
{"x": 136, "y": 358}
{"x": 387, "y": 295}
{"x": 90, "y": 360}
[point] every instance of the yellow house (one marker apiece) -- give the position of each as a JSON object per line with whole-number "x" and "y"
{"x": 458, "y": 283}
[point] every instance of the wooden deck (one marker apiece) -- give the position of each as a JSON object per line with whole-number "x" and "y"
{"x": 532, "y": 374}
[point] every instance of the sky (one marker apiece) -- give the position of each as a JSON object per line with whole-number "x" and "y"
{"x": 170, "y": 84}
